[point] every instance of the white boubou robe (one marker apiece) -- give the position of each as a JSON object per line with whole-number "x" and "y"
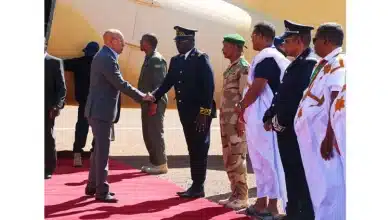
{"x": 338, "y": 122}
{"x": 262, "y": 145}
{"x": 325, "y": 178}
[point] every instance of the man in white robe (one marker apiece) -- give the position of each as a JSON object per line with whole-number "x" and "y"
{"x": 337, "y": 119}
{"x": 264, "y": 77}
{"x": 324, "y": 170}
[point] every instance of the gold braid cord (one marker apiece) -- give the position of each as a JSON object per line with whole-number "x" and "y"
{"x": 205, "y": 111}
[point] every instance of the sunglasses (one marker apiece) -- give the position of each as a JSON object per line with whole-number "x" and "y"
{"x": 315, "y": 39}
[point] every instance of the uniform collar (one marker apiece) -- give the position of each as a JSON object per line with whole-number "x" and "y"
{"x": 304, "y": 54}
{"x": 236, "y": 61}
{"x": 148, "y": 56}
{"x": 333, "y": 53}
{"x": 188, "y": 53}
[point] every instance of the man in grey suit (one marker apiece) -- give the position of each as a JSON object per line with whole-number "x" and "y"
{"x": 152, "y": 75}
{"x": 106, "y": 83}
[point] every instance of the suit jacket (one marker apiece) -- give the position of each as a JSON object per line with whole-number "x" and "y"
{"x": 295, "y": 80}
{"x": 55, "y": 88}
{"x": 106, "y": 83}
{"x": 153, "y": 72}
{"x": 193, "y": 80}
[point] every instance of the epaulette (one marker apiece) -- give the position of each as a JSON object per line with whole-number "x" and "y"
{"x": 311, "y": 57}
{"x": 200, "y": 53}
{"x": 158, "y": 56}
{"x": 243, "y": 62}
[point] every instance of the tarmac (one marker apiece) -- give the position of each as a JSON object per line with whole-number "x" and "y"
{"x": 129, "y": 147}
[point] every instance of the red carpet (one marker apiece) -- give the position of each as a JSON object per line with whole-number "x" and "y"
{"x": 141, "y": 196}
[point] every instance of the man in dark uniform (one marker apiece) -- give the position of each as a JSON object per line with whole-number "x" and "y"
{"x": 191, "y": 74}
{"x": 55, "y": 92}
{"x": 280, "y": 117}
{"x": 81, "y": 68}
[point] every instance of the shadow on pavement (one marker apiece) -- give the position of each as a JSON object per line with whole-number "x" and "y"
{"x": 215, "y": 162}
{"x": 105, "y": 212}
{"x": 205, "y": 213}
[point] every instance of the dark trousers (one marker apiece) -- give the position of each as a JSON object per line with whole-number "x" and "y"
{"x": 81, "y": 132}
{"x": 98, "y": 170}
{"x": 198, "y": 144}
{"x": 153, "y": 134}
{"x": 50, "y": 145}
{"x": 299, "y": 204}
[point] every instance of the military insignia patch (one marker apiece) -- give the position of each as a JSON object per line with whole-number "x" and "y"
{"x": 180, "y": 33}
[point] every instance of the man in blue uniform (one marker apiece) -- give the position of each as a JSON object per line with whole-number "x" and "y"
{"x": 280, "y": 117}
{"x": 81, "y": 67}
{"x": 191, "y": 74}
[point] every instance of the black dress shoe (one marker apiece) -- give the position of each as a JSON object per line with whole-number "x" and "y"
{"x": 192, "y": 194}
{"x": 47, "y": 176}
{"x": 106, "y": 198}
{"x": 194, "y": 188}
{"x": 181, "y": 193}
{"x": 89, "y": 191}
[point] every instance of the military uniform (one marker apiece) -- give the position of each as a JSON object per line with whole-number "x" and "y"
{"x": 281, "y": 114}
{"x": 81, "y": 67}
{"x": 152, "y": 75}
{"x": 234, "y": 148}
{"x": 192, "y": 77}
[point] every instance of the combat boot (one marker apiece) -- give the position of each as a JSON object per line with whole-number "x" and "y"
{"x": 237, "y": 204}
{"x": 155, "y": 170}
{"x": 226, "y": 201}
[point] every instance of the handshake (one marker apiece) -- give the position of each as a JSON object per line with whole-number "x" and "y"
{"x": 152, "y": 106}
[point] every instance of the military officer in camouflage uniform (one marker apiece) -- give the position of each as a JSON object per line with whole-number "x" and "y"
{"x": 232, "y": 128}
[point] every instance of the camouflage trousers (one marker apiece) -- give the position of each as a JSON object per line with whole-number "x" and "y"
{"x": 234, "y": 150}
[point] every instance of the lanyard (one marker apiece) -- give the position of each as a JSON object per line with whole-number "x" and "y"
{"x": 317, "y": 70}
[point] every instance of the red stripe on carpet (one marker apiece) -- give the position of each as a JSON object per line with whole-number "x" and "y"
{"x": 140, "y": 196}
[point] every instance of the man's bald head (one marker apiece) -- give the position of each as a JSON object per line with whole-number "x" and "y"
{"x": 114, "y": 39}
